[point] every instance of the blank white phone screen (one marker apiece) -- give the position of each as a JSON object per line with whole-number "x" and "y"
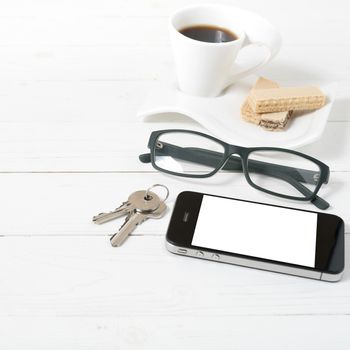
{"x": 257, "y": 230}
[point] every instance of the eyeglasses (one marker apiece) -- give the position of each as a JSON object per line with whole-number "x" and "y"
{"x": 277, "y": 171}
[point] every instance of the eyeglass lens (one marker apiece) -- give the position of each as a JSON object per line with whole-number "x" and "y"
{"x": 186, "y": 153}
{"x": 283, "y": 173}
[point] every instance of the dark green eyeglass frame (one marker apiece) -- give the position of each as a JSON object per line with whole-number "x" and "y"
{"x": 230, "y": 162}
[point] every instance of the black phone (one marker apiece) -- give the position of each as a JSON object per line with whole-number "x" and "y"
{"x": 269, "y": 237}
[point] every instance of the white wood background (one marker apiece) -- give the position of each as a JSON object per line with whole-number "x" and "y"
{"x": 72, "y": 75}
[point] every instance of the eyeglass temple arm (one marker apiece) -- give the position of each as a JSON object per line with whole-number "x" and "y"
{"x": 210, "y": 158}
{"x": 319, "y": 202}
{"x": 235, "y": 163}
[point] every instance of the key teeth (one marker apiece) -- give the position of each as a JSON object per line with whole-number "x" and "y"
{"x": 122, "y": 210}
{"x": 129, "y": 215}
{"x": 96, "y": 220}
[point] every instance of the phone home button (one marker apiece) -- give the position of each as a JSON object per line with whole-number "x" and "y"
{"x": 215, "y": 257}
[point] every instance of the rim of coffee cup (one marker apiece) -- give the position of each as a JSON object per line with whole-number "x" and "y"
{"x": 236, "y": 29}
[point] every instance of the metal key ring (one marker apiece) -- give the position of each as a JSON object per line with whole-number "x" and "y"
{"x": 147, "y": 196}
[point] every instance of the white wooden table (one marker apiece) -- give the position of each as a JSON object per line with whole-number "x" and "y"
{"x": 72, "y": 76}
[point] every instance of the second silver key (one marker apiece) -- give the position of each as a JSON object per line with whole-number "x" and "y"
{"x": 125, "y": 208}
{"x": 134, "y": 219}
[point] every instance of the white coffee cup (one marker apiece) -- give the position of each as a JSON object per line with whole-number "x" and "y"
{"x": 206, "y": 69}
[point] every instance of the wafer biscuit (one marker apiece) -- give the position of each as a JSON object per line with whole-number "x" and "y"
{"x": 275, "y": 121}
{"x": 263, "y": 83}
{"x": 286, "y": 99}
{"x": 269, "y": 121}
{"x": 246, "y": 111}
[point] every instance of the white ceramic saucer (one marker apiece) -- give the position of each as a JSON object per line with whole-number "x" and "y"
{"x": 221, "y": 115}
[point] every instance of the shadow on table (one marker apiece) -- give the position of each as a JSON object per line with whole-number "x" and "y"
{"x": 346, "y": 275}
{"x": 172, "y": 117}
{"x": 331, "y": 145}
{"x": 340, "y": 110}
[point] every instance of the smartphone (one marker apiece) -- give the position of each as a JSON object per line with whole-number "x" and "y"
{"x": 263, "y": 236}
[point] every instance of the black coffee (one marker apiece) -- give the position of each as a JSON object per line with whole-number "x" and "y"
{"x": 209, "y": 34}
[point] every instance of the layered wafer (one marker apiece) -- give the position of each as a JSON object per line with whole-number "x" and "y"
{"x": 286, "y": 99}
{"x": 275, "y": 121}
{"x": 246, "y": 111}
{"x": 269, "y": 121}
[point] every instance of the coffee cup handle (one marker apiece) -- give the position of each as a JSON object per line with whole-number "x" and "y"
{"x": 271, "y": 42}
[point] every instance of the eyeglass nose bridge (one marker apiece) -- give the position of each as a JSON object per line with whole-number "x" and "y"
{"x": 234, "y": 159}
{"x": 232, "y": 149}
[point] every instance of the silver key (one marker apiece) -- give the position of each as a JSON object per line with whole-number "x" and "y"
{"x": 136, "y": 200}
{"x": 124, "y": 209}
{"x": 133, "y": 219}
